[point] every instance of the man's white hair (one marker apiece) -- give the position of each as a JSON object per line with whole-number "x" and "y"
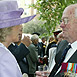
{"x": 34, "y": 37}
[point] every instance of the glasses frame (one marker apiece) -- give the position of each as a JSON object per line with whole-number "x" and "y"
{"x": 65, "y": 20}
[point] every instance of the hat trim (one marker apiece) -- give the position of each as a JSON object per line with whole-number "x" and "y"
{"x": 11, "y": 14}
{"x": 14, "y": 22}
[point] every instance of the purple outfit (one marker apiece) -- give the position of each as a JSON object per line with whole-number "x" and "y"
{"x": 8, "y": 64}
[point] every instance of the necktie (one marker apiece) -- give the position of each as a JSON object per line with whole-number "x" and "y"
{"x": 64, "y": 53}
{"x": 56, "y": 67}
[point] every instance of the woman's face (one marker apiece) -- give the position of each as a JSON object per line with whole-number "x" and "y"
{"x": 15, "y": 33}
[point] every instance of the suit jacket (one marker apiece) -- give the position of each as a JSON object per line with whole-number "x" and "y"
{"x": 8, "y": 64}
{"x": 73, "y": 59}
{"x": 32, "y": 58}
{"x": 60, "y": 48}
{"x": 42, "y": 49}
{"x": 20, "y": 53}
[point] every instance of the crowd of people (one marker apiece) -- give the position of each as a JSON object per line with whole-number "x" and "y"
{"x": 23, "y": 57}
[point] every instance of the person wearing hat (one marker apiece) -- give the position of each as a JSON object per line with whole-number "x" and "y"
{"x": 36, "y": 33}
{"x": 10, "y": 24}
{"x": 56, "y": 32}
{"x": 53, "y": 42}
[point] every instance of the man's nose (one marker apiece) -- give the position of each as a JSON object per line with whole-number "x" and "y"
{"x": 62, "y": 25}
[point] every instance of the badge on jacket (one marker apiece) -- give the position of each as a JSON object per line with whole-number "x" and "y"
{"x": 69, "y": 70}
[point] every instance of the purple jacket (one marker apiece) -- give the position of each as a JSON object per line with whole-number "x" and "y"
{"x": 8, "y": 64}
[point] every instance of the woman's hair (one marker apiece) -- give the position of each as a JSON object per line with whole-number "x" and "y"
{"x": 4, "y": 32}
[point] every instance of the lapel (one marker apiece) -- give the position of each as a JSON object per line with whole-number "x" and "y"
{"x": 73, "y": 58}
{"x": 60, "y": 48}
{"x": 12, "y": 47}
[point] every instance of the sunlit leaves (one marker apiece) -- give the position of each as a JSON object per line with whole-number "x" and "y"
{"x": 51, "y": 11}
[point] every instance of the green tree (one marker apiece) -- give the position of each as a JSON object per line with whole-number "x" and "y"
{"x": 35, "y": 26}
{"x": 51, "y": 12}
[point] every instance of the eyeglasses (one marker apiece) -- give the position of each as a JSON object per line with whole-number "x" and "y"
{"x": 65, "y": 20}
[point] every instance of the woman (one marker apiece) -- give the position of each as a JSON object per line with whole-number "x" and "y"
{"x": 8, "y": 64}
{"x": 9, "y": 32}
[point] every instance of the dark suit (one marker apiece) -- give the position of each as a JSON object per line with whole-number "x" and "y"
{"x": 42, "y": 49}
{"x": 60, "y": 47}
{"x": 73, "y": 59}
{"x": 32, "y": 59}
{"x": 20, "y": 53}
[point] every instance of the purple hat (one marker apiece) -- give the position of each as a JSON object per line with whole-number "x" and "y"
{"x": 10, "y": 14}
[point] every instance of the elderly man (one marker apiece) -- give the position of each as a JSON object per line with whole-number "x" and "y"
{"x": 69, "y": 26}
{"x": 32, "y": 57}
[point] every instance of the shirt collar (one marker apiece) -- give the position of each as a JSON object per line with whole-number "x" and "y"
{"x": 13, "y": 44}
{"x": 74, "y": 45}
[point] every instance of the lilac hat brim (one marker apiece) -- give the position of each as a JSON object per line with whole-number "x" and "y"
{"x": 10, "y": 14}
{"x": 14, "y": 22}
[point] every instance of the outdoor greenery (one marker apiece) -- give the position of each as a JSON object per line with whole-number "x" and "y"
{"x": 50, "y": 12}
{"x": 35, "y": 26}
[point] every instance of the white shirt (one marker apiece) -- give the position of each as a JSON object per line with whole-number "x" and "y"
{"x": 71, "y": 51}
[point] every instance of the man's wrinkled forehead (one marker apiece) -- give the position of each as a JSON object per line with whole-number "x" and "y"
{"x": 70, "y": 11}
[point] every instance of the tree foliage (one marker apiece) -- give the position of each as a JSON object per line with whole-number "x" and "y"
{"x": 51, "y": 11}
{"x": 34, "y": 26}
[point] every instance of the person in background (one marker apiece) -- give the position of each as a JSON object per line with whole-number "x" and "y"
{"x": 53, "y": 42}
{"x": 32, "y": 57}
{"x": 36, "y": 33}
{"x": 43, "y": 59}
{"x": 10, "y": 23}
{"x": 54, "y": 50}
{"x": 43, "y": 46}
{"x": 39, "y": 47}
{"x": 50, "y": 40}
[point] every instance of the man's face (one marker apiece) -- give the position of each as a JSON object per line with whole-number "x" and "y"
{"x": 43, "y": 40}
{"x": 68, "y": 25}
{"x": 35, "y": 41}
{"x": 16, "y": 33}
